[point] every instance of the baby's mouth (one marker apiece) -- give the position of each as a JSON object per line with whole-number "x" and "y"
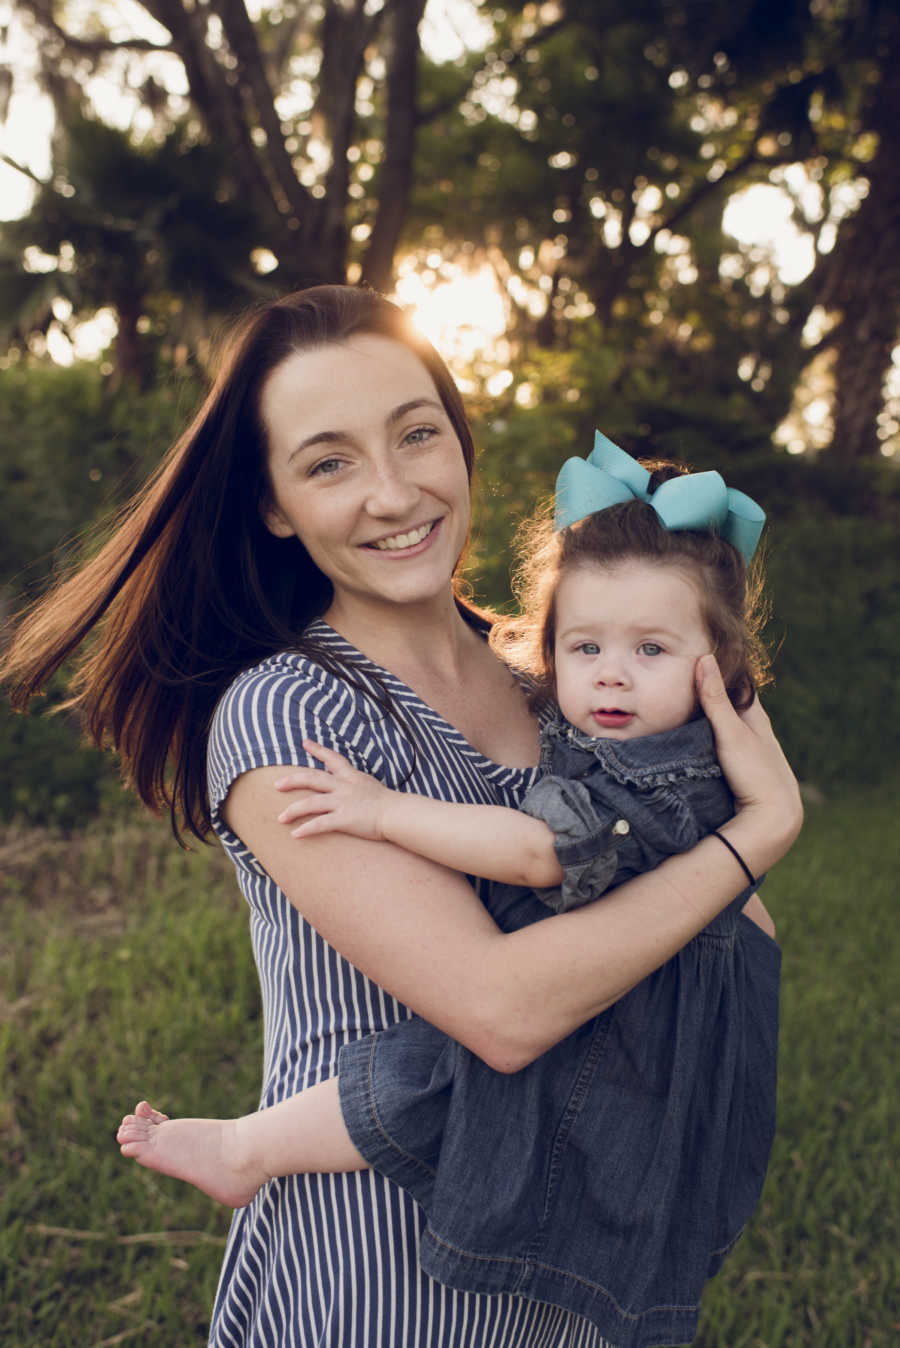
{"x": 609, "y": 716}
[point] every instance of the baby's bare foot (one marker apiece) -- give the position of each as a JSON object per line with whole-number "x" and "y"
{"x": 212, "y": 1154}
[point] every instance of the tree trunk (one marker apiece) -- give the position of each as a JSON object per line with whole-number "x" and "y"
{"x": 129, "y": 356}
{"x": 217, "y": 101}
{"x": 345, "y": 34}
{"x": 864, "y": 279}
{"x": 395, "y": 178}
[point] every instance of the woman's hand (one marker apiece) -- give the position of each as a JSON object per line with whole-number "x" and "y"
{"x": 341, "y": 799}
{"x": 766, "y": 794}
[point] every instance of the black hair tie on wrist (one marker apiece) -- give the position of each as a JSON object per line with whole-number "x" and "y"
{"x": 736, "y": 854}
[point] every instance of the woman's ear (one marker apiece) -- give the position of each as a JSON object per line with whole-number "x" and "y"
{"x": 275, "y": 521}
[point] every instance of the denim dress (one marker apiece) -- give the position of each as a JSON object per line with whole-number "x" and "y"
{"x": 612, "y": 1175}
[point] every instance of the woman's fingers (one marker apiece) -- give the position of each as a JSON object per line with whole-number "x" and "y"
{"x": 711, "y": 689}
{"x": 729, "y": 725}
{"x": 751, "y": 757}
{"x": 757, "y": 717}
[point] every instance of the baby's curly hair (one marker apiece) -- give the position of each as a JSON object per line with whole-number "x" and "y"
{"x": 731, "y": 593}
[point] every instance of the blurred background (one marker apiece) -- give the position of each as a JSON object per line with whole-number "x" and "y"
{"x": 674, "y": 220}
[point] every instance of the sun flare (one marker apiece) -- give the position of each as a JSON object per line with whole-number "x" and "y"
{"x": 460, "y": 309}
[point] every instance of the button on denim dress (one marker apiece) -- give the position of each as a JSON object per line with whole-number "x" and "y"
{"x": 612, "y": 1175}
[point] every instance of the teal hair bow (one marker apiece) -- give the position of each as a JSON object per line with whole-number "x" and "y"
{"x": 609, "y": 476}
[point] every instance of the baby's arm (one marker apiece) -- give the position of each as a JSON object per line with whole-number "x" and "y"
{"x": 487, "y": 840}
{"x": 230, "y": 1159}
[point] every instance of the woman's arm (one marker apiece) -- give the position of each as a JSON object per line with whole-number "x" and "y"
{"x": 487, "y": 840}
{"x": 757, "y": 912}
{"x": 420, "y": 931}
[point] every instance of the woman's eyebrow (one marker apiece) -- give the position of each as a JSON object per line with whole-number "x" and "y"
{"x": 320, "y": 438}
{"x": 338, "y": 437}
{"x": 400, "y": 412}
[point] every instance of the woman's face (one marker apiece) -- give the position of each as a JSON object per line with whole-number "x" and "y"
{"x": 366, "y": 470}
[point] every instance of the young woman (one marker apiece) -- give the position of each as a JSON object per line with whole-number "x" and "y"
{"x": 288, "y": 575}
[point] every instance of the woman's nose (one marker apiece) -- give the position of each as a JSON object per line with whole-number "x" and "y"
{"x": 390, "y": 491}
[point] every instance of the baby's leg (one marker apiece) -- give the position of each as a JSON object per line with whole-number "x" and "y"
{"x": 230, "y": 1159}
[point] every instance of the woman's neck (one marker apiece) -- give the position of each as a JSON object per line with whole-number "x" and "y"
{"x": 428, "y": 641}
{"x": 448, "y": 664}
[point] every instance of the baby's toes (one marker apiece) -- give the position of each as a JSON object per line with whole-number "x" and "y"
{"x": 146, "y": 1111}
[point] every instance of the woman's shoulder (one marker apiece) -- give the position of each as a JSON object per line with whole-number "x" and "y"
{"x": 287, "y": 664}
{"x": 285, "y": 677}
{"x": 268, "y": 710}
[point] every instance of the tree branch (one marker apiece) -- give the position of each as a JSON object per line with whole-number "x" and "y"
{"x": 701, "y": 192}
{"x": 243, "y": 42}
{"x": 437, "y": 110}
{"x": 219, "y": 104}
{"x": 22, "y": 168}
{"x": 345, "y": 34}
{"x": 88, "y": 46}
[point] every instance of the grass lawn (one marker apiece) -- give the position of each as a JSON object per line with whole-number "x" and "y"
{"x": 125, "y": 971}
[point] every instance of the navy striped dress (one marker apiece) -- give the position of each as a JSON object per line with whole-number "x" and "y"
{"x": 331, "y": 1260}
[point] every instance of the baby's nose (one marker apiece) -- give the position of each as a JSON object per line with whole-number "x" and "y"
{"x": 609, "y": 672}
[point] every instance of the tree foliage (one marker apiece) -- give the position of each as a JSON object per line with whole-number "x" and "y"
{"x": 587, "y": 149}
{"x": 600, "y": 190}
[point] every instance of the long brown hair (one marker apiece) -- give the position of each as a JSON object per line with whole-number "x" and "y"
{"x": 191, "y": 587}
{"x": 732, "y": 603}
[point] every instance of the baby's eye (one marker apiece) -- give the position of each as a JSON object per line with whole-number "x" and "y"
{"x": 650, "y": 648}
{"x": 588, "y": 648}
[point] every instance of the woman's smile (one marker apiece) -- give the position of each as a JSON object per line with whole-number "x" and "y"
{"x": 404, "y": 542}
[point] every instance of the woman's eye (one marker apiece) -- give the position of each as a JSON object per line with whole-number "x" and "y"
{"x": 325, "y": 467}
{"x": 419, "y": 434}
{"x": 650, "y": 648}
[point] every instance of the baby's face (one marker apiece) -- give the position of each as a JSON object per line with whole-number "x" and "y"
{"x": 628, "y": 637}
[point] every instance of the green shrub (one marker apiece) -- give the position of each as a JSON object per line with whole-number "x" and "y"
{"x": 50, "y": 775}
{"x": 835, "y": 588}
{"x": 71, "y": 452}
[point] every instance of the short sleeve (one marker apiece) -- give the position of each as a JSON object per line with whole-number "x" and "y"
{"x": 267, "y": 712}
{"x": 586, "y": 840}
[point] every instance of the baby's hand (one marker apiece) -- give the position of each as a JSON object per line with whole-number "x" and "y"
{"x": 340, "y": 800}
